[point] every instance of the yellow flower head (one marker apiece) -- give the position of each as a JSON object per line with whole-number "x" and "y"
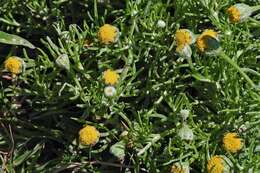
{"x": 14, "y": 65}
{"x": 234, "y": 14}
{"x": 111, "y": 77}
{"x": 216, "y": 165}
{"x": 239, "y": 12}
{"x": 178, "y": 168}
{"x": 108, "y": 34}
{"x": 88, "y": 135}
{"x": 202, "y": 40}
{"x": 232, "y": 142}
{"x": 183, "y": 36}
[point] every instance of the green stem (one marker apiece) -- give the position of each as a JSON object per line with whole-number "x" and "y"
{"x": 232, "y": 63}
{"x": 256, "y": 22}
{"x": 255, "y": 8}
{"x": 190, "y": 63}
{"x": 95, "y": 10}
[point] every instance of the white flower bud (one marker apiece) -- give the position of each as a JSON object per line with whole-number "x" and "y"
{"x": 109, "y": 91}
{"x": 186, "y": 133}
{"x": 184, "y": 113}
{"x": 161, "y": 24}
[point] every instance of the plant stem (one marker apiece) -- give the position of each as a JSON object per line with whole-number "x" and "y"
{"x": 95, "y": 10}
{"x": 255, "y": 8}
{"x": 232, "y": 63}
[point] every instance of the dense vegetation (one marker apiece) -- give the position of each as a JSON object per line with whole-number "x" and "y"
{"x": 157, "y": 110}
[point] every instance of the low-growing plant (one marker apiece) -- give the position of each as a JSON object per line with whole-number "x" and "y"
{"x": 129, "y": 86}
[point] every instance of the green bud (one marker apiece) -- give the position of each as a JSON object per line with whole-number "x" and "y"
{"x": 63, "y": 62}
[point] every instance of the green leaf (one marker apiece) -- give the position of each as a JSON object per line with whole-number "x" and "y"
{"x": 27, "y": 154}
{"x": 118, "y": 150}
{"x": 6, "y": 38}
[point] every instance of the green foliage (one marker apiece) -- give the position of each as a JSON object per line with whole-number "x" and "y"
{"x": 62, "y": 89}
{"x": 6, "y": 38}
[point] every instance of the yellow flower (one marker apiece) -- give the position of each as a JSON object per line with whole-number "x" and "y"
{"x": 110, "y": 77}
{"x": 14, "y": 65}
{"x": 108, "y": 34}
{"x": 216, "y": 165}
{"x": 240, "y": 12}
{"x": 178, "y": 168}
{"x": 234, "y": 14}
{"x": 232, "y": 142}
{"x": 183, "y": 37}
{"x": 88, "y": 135}
{"x": 202, "y": 40}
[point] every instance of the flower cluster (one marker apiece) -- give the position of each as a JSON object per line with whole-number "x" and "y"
{"x": 111, "y": 78}
{"x": 232, "y": 144}
{"x": 208, "y": 41}
{"x": 187, "y": 43}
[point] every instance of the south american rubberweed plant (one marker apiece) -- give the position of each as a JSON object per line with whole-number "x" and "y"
{"x": 155, "y": 84}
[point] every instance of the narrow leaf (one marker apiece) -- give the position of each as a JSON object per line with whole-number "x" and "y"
{"x": 6, "y": 38}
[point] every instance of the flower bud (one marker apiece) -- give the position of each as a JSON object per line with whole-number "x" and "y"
{"x": 118, "y": 149}
{"x": 184, "y": 113}
{"x": 186, "y": 133}
{"x": 109, "y": 91}
{"x": 161, "y": 24}
{"x": 63, "y": 62}
{"x": 239, "y": 12}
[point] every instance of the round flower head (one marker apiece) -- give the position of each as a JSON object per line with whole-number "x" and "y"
{"x": 14, "y": 65}
{"x": 110, "y": 91}
{"x": 216, "y": 165}
{"x": 183, "y": 37}
{"x": 108, "y": 34}
{"x": 185, "y": 133}
{"x": 232, "y": 142}
{"x": 180, "y": 168}
{"x": 219, "y": 164}
{"x": 111, "y": 77}
{"x": 208, "y": 41}
{"x": 161, "y": 24}
{"x": 239, "y": 12}
{"x": 88, "y": 135}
